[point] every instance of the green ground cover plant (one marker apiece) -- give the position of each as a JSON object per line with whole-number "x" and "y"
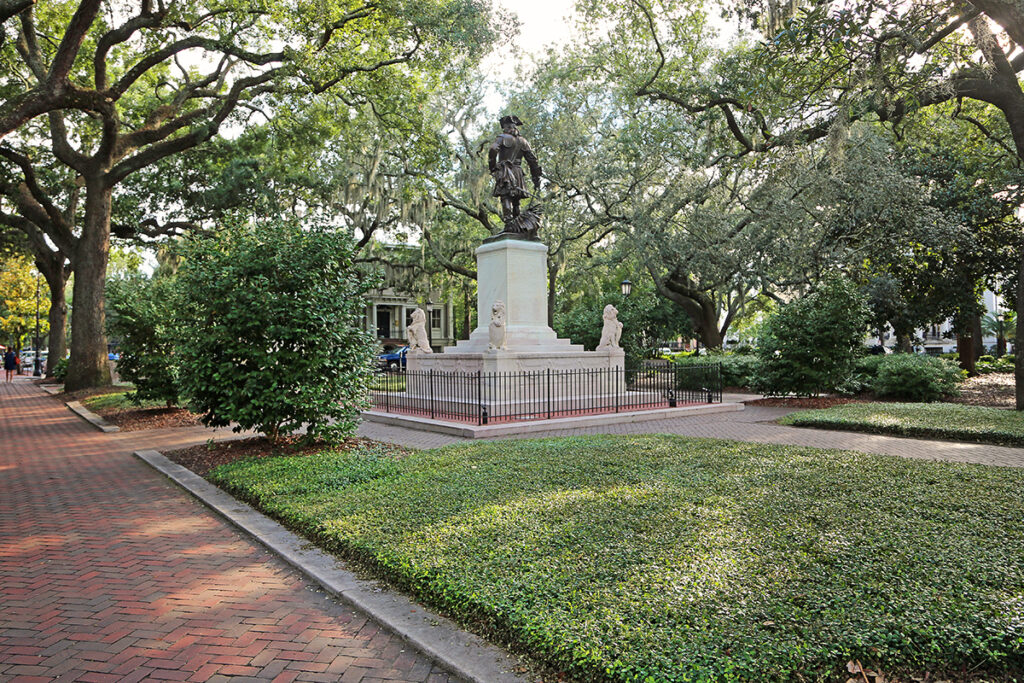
{"x": 661, "y": 558}
{"x": 934, "y": 420}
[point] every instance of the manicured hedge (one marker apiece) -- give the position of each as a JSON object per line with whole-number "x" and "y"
{"x": 661, "y": 558}
{"x": 936, "y": 420}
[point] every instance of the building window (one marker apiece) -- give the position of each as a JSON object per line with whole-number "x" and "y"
{"x": 435, "y": 318}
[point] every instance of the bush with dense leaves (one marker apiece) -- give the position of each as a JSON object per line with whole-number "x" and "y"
{"x": 737, "y": 369}
{"x": 988, "y": 364}
{"x": 60, "y": 370}
{"x": 916, "y": 377}
{"x": 143, "y": 317}
{"x": 809, "y": 345}
{"x": 862, "y": 379}
{"x": 274, "y": 329}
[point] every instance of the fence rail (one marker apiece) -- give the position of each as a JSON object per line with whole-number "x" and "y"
{"x": 488, "y": 398}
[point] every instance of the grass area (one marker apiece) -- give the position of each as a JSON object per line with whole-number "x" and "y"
{"x": 117, "y": 400}
{"x": 661, "y": 558}
{"x": 925, "y": 420}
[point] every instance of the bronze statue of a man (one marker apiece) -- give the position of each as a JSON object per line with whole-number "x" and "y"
{"x": 504, "y": 160}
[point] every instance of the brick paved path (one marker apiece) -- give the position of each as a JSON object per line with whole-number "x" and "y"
{"x": 110, "y": 573}
{"x": 753, "y": 424}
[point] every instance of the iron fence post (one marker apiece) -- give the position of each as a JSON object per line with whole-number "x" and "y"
{"x": 549, "y": 393}
{"x": 431, "y": 382}
{"x": 617, "y": 388}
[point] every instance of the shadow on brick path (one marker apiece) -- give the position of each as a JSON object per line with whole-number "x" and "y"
{"x": 110, "y": 572}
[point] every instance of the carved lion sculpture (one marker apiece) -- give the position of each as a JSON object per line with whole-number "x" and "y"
{"x": 497, "y": 327}
{"x": 612, "y": 330}
{"x": 417, "y": 331}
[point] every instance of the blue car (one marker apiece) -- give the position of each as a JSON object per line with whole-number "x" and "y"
{"x": 394, "y": 360}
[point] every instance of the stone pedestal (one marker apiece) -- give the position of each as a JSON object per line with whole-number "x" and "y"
{"x": 537, "y": 373}
{"x": 514, "y": 271}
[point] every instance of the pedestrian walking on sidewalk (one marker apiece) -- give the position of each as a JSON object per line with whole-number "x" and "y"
{"x": 10, "y": 364}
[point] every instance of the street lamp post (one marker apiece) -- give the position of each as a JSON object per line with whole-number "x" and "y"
{"x": 627, "y": 287}
{"x": 37, "y": 370}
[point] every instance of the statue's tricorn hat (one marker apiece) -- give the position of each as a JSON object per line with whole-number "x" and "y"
{"x": 505, "y": 120}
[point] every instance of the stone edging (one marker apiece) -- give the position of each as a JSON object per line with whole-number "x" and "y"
{"x": 462, "y": 653}
{"x": 91, "y": 417}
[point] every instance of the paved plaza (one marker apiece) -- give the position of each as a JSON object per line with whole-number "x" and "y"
{"x": 110, "y": 572}
{"x": 752, "y": 424}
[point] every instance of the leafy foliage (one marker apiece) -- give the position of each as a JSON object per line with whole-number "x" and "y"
{"x": 810, "y": 344}
{"x": 646, "y": 318}
{"x": 145, "y": 321}
{"x": 272, "y": 335}
{"x": 916, "y": 377}
{"x": 1002, "y": 364}
{"x": 661, "y": 558}
{"x": 18, "y": 285}
{"x": 60, "y": 370}
{"x": 921, "y": 420}
{"x": 738, "y": 369}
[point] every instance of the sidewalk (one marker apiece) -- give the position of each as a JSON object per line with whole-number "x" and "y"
{"x": 110, "y": 572}
{"x": 752, "y": 424}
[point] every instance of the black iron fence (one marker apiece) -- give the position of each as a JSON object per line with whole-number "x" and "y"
{"x": 488, "y": 398}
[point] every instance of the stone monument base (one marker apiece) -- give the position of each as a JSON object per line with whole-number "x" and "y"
{"x": 541, "y": 359}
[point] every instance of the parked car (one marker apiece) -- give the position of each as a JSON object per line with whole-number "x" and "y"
{"x": 395, "y": 359}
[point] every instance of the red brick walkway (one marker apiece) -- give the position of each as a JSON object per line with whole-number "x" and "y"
{"x": 110, "y": 573}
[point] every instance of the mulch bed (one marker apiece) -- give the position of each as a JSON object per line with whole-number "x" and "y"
{"x": 805, "y": 403}
{"x": 204, "y": 457}
{"x": 137, "y": 419}
{"x": 995, "y": 390}
{"x": 134, "y": 419}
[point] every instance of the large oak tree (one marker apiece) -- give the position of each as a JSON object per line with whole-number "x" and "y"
{"x": 121, "y": 86}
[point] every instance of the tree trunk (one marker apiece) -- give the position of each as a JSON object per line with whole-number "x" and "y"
{"x": 707, "y": 327}
{"x": 51, "y": 265}
{"x": 965, "y": 347}
{"x": 88, "y": 366}
{"x": 1018, "y": 357}
{"x": 977, "y": 335}
{"x": 57, "y": 318}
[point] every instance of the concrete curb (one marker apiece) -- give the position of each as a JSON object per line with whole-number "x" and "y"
{"x": 462, "y": 653}
{"x": 469, "y": 431}
{"x": 52, "y": 389}
{"x": 91, "y": 417}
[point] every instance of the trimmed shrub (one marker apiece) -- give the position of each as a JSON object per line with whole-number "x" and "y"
{"x": 916, "y": 377}
{"x": 737, "y": 369}
{"x": 274, "y": 331}
{"x": 143, "y": 317}
{"x": 862, "y": 379}
{"x": 60, "y": 370}
{"x": 809, "y": 345}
